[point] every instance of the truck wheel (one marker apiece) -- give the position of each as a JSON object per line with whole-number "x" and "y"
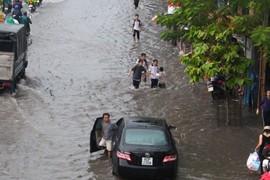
{"x": 13, "y": 87}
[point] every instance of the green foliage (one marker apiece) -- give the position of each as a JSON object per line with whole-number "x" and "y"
{"x": 210, "y": 30}
{"x": 261, "y": 36}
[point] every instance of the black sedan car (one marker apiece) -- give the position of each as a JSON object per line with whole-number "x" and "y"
{"x": 143, "y": 147}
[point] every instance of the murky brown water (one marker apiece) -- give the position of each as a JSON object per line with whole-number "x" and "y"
{"x": 78, "y": 66}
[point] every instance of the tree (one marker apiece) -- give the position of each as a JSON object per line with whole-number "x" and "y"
{"x": 210, "y": 32}
{"x": 210, "y": 26}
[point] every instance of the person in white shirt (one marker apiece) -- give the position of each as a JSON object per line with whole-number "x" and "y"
{"x": 136, "y": 27}
{"x": 153, "y": 72}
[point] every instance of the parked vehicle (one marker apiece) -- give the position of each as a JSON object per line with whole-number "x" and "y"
{"x": 32, "y": 7}
{"x": 216, "y": 87}
{"x": 33, "y": 4}
{"x": 7, "y": 8}
{"x": 142, "y": 147}
{"x": 13, "y": 55}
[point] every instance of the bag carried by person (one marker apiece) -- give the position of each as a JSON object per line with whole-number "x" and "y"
{"x": 253, "y": 161}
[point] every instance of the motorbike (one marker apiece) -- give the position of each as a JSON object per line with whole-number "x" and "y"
{"x": 216, "y": 87}
{"x": 39, "y": 2}
{"x": 7, "y": 8}
{"x": 32, "y": 7}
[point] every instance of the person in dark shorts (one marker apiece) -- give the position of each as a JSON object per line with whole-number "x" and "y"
{"x": 137, "y": 70}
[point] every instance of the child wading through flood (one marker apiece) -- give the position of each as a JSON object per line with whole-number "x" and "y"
{"x": 136, "y": 28}
{"x": 162, "y": 78}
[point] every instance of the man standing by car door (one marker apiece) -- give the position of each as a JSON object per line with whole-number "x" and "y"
{"x": 107, "y": 133}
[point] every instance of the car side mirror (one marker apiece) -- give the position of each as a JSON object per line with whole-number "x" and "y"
{"x": 171, "y": 127}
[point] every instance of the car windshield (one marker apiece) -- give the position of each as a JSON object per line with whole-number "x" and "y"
{"x": 145, "y": 137}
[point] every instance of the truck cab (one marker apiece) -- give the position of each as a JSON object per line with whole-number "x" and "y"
{"x": 13, "y": 55}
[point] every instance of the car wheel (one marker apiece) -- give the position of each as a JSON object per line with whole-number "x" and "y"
{"x": 114, "y": 171}
{"x": 23, "y": 74}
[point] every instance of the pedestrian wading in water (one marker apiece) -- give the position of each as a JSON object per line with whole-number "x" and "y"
{"x": 265, "y": 110}
{"x": 136, "y": 3}
{"x": 136, "y": 28}
{"x": 153, "y": 72}
{"x": 145, "y": 65}
{"x": 137, "y": 70}
{"x": 162, "y": 78}
{"x": 107, "y": 133}
{"x": 264, "y": 140}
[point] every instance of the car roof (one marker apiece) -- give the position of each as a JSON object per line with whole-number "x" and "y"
{"x": 144, "y": 122}
{"x": 10, "y": 28}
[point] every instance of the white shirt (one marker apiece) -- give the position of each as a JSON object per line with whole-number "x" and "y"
{"x": 153, "y": 70}
{"x": 136, "y": 25}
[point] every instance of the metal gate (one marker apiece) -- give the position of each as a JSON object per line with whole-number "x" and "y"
{"x": 229, "y": 111}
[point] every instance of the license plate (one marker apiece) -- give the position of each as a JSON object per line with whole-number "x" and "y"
{"x": 147, "y": 161}
{"x": 210, "y": 89}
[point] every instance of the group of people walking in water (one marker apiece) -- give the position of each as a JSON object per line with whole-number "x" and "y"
{"x": 141, "y": 70}
{"x": 263, "y": 146}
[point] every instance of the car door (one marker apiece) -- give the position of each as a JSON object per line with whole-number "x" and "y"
{"x": 115, "y": 144}
{"x": 117, "y": 134}
{"x": 96, "y": 135}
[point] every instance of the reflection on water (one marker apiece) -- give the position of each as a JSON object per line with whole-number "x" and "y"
{"x": 78, "y": 66}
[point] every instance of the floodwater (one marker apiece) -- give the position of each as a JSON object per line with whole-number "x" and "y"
{"x": 77, "y": 70}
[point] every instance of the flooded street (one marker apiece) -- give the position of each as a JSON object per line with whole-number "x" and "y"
{"x": 77, "y": 70}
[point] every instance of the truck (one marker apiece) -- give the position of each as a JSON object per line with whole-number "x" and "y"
{"x": 13, "y": 55}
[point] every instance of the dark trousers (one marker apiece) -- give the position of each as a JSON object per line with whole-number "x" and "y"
{"x": 136, "y": 3}
{"x": 154, "y": 83}
{"x": 136, "y": 32}
{"x": 266, "y": 118}
{"x": 136, "y": 84}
